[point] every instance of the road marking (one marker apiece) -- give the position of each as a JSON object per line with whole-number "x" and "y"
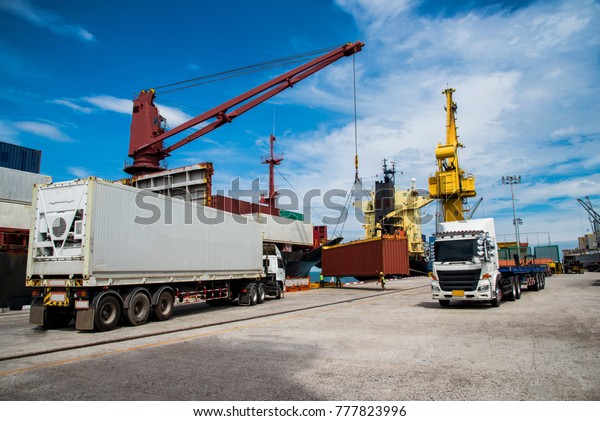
{"x": 146, "y": 346}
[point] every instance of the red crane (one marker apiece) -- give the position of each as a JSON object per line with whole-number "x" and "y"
{"x": 148, "y": 132}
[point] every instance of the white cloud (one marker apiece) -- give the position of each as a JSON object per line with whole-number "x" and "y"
{"x": 46, "y": 19}
{"x": 46, "y": 130}
{"x": 9, "y": 134}
{"x": 79, "y": 172}
{"x": 526, "y": 86}
{"x": 111, "y": 103}
{"x": 70, "y": 104}
{"x": 174, "y": 116}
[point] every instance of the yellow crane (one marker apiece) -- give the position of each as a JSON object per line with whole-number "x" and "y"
{"x": 450, "y": 184}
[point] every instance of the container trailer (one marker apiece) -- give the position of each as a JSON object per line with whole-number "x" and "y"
{"x": 102, "y": 252}
{"x": 466, "y": 266}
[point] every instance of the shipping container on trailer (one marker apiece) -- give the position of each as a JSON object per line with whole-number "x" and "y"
{"x": 92, "y": 237}
{"x": 366, "y": 259}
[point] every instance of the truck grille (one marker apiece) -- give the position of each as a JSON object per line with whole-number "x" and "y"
{"x": 459, "y": 279}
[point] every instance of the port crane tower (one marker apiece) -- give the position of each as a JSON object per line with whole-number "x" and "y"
{"x": 451, "y": 185}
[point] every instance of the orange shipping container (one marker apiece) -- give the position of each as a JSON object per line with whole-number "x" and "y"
{"x": 367, "y": 258}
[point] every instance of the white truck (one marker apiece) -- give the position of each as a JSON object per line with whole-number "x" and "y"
{"x": 466, "y": 266}
{"x": 102, "y": 253}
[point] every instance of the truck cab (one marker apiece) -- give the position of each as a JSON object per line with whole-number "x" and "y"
{"x": 465, "y": 264}
{"x": 273, "y": 266}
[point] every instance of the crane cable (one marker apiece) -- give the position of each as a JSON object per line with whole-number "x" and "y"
{"x": 357, "y": 180}
{"x": 240, "y": 71}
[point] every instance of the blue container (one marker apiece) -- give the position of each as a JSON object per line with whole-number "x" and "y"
{"x": 20, "y": 158}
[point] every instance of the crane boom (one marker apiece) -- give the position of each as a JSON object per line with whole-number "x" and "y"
{"x": 148, "y": 132}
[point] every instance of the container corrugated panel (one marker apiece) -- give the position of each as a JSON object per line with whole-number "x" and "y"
{"x": 241, "y": 207}
{"x": 131, "y": 235}
{"x": 550, "y": 252}
{"x": 277, "y": 229}
{"x": 367, "y": 258}
{"x": 17, "y": 186}
{"x": 15, "y": 215}
{"x": 20, "y": 158}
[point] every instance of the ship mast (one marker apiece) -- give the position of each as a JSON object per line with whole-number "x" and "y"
{"x": 272, "y": 160}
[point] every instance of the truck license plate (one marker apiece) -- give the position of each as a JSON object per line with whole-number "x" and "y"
{"x": 458, "y": 293}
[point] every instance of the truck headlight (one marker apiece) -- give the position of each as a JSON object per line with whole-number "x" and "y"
{"x": 435, "y": 288}
{"x": 483, "y": 288}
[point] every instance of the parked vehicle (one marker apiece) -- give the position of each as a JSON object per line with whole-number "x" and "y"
{"x": 102, "y": 252}
{"x": 466, "y": 266}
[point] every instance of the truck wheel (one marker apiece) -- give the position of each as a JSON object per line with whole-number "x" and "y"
{"x": 253, "y": 294}
{"x": 518, "y": 283}
{"x": 261, "y": 294}
{"x": 512, "y": 295}
{"x": 498, "y": 300}
{"x": 444, "y": 303}
{"x": 108, "y": 313}
{"x": 279, "y": 292}
{"x": 139, "y": 309}
{"x": 164, "y": 306}
{"x": 543, "y": 276}
{"x": 57, "y": 318}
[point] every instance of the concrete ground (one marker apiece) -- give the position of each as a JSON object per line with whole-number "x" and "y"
{"x": 356, "y": 343}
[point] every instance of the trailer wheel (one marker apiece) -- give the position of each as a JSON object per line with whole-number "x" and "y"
{"x": 538, "y": 282}
{"x": 444, "y": 303}
{"x": 252, "y": 294}
{"x": 108, "y": 313}
{"x": 498, "y": 300}
{"x": 139, "y": 309}
{"x": 543, "y": 276}
{"x": 261, "y": 294}
{"x": 512, "y": 295}
{"x": 531, "y": 285}
{"x": 164, "y": 306}
{"x": 57, "y": 318}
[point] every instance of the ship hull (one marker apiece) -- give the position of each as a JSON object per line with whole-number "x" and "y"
{"x": 299, "y": 263}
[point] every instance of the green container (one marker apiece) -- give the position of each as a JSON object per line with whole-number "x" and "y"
{"x": 291, "y": 215}
{"x": 547, "y": 252}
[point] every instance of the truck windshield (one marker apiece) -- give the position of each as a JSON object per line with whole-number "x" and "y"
{"x": 455, "y": 251}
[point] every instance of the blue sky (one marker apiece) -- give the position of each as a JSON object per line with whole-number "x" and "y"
{"x": 526, "y": 76}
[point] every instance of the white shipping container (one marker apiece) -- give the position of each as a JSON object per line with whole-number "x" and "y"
{"x": 17, "y": 186}
{"x": 15, "y": 215}
{"x": 277, "y": 229}
{"x": 111, "y": 234}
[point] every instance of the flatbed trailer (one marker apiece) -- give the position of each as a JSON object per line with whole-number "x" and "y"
{"x": 531, "y": 276}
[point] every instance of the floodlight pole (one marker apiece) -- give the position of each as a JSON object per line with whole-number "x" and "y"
{"x": 514, "y": 179}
